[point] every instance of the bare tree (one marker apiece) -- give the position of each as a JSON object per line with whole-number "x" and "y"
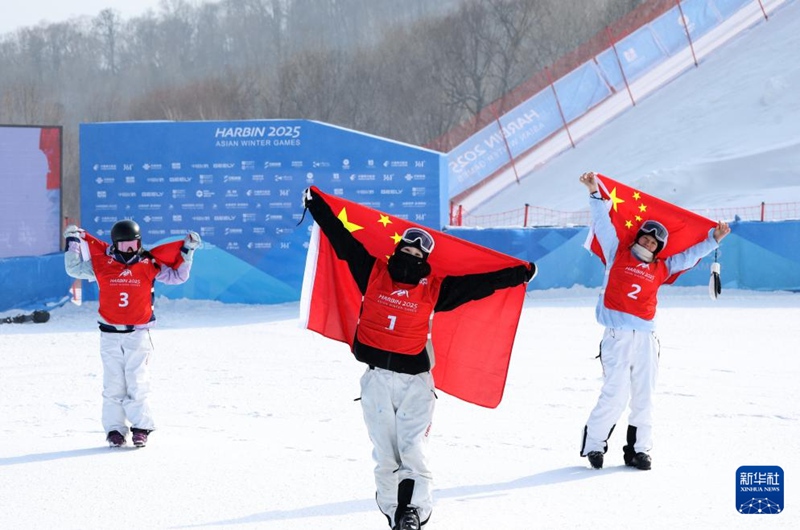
{"x": 310, "y": 85}
{"x": 107, "y": 26}
{"x": 462, "y": 54}
{"x": 518, "y": 28}
{"x": 255, "y": 32}
{"x": 25, "y": 103}
{"x": 408, "y": 72}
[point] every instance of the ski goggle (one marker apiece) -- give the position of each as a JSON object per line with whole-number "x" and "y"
{"x": 655, "y": 229}
{"x": 128, "y": 246}
{"x": 412, "y": 235}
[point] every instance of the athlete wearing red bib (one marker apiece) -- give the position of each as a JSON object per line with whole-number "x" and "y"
{"x": 397, "y": 389}
{"x": 126, "y": 290}
{"x": 632, "y": 285}
{"x": 126, "y": 275}
{"x": 629, "y": 350}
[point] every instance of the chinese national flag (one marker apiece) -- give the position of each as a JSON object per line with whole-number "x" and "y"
{"x": 168, "y": 254}
{"x": 629, "y": 208}
{"x": 471, "y": 344}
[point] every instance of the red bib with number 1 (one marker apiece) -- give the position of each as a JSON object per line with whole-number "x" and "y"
{"x": 395, "y": 316}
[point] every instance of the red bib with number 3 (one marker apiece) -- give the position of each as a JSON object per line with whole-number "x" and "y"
{"x": 396, "y": 317}
{"x": 126, "y": 291}
{"x": 633, "y": 285}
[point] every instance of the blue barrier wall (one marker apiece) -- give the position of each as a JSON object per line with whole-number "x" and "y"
{"x": 32, "y": 282}
{"x": 757, "y": 256}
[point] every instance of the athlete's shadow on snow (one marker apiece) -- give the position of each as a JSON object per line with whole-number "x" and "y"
{"x": 546, "y": 478}
{"x": 58, "y": 455}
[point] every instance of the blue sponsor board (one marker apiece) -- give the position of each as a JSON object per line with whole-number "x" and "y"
{"x": 487, "y": 150}
{"x": 239, "y": 184}
{"x": 523, "y": 127}
{"x": 637, "y": 53}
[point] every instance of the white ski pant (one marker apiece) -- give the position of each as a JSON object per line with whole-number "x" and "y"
{"x": 398, "y": 409}
{"x": 630, "y": 370}
{"x": 126, "y": 380}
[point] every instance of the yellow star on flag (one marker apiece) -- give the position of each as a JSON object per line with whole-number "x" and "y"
{"x": 351, "y": 227}
{"x": 396, "y": 238}
{"x": 614, "y": 199}
{"x": 638, "y": 219}
{"x": 628, "y": 224}
{"x": 636, "y": 195}
{"x": 384, "y": 220}
{"x": 642, "y": 208}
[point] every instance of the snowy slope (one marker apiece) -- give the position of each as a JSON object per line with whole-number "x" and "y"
{"x": 724, "y": 134}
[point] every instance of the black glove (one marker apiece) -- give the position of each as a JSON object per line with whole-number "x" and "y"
{"x": 39, "y": 316}
{"x": 73, "y": 237}
{"x": 531, "y": 273}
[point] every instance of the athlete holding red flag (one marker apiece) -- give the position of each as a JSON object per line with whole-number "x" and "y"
{"x": 126, "y": 274}
{"x": 397, "y": 298}
{"x": 632, "y": 246}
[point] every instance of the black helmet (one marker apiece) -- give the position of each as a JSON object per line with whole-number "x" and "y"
{"x": 125, "y": 230}
{"x": 657, "y": 231}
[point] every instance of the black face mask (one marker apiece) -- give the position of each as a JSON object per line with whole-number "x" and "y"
{"x": 125, "y": 257}
{"x": 406, "y": 268}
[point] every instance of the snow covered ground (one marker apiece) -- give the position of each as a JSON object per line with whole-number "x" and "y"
{"x": 724, "y": 134}
{"x": 257, "y": 423}
{"x": 257, "y": 427}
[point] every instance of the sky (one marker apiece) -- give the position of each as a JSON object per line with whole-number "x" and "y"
{"x": 16, "y": 15}
{"x": 257, "y": 427}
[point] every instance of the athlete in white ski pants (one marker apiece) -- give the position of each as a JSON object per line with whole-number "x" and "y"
{"x": 398, "y": 409}
{"x": 126, "y": 380}
{"x": 627, "y": 309}
{"x": 630, "y": 368}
